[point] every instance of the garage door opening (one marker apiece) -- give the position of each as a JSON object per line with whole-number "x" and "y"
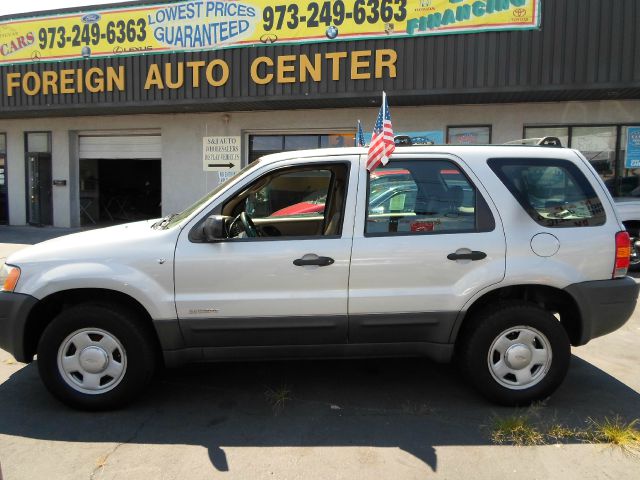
{"x": 116, "y": 191}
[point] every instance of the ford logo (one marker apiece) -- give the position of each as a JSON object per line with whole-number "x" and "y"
{"x": 91, "y": 18}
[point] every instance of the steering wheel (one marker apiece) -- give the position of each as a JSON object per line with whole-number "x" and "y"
{"x": 247, "y": 224}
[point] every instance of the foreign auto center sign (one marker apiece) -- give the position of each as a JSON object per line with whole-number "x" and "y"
{"x": 210, "y": 25}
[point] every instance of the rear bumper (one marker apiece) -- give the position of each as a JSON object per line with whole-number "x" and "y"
{"x": 604, "y": 305}
{"x": 14, "y": 311}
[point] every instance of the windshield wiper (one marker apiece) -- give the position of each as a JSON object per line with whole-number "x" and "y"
{"x": 164, "y": 221}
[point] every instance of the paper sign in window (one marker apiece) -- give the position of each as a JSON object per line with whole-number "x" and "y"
{"x": 397, "y": 203}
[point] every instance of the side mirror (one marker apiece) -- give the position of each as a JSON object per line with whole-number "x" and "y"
{"x": 214, "y": 228}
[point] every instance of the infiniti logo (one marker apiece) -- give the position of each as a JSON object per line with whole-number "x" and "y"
{"x": 269, "y": 38}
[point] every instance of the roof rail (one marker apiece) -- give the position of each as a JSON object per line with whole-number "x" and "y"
{"x": 540, "y": 142}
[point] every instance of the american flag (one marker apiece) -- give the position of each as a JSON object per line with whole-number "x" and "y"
{"x": 360, "y": 136}
{"x": 382, "y": 144}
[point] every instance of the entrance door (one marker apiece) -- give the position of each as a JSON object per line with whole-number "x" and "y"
{"x": 4, "y": 213}
{"x": 39, "y": 189}
{"x": 427, "y": 243}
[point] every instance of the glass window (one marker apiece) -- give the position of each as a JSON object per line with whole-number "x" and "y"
{"x": 598, "y": 145}
{"x": 266, "y": 143}
{"x": 300, "y": 142}
{"x": 296, "y": 194}
{"x": 260, "y": 145}
{"x": 480, "y": 135}
{"x": 628, "y": 184}
{"x": 420, "y": 196}
{"x": 39, "y": 142}
{"x": 539, "y": 132}
{"x": 291, "y": 202}
{"x": 3, "y": 143}
{"x": 553, "y": 192}
{"x": 337, "y": 140}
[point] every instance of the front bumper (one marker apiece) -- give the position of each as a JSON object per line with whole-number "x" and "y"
{"x": 14, "y": 311}
{"x": 604, "y": 305}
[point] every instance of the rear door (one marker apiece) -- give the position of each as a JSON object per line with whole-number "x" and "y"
{"x": 419, "y": 256}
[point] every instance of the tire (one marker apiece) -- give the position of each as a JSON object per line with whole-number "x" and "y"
{"x": 515, "y": 353}
{"x": 634, "y": 264}
{"x": 96, "y": 356}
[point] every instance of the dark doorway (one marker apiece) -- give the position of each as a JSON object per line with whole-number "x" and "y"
{"x": 119, "y": 191}
{"x": 39, "y": 186}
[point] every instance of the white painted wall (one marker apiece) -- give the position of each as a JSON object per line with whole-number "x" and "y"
{"x": 183, "y": 179}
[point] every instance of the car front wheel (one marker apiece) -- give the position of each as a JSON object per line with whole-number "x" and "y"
{"x": 96, "y": 356}
{"x": 514, "y": 354}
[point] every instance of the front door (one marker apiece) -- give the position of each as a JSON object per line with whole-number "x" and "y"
{"x": 427, "y": 242}
{"x": 289, "y": 284}
{"x": 39, "y": 189}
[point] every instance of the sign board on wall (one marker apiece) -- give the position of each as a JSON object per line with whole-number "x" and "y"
{"x": 222, "y": 155}
{"x": 633, "y": 148}
{"x": 194, "y": 25}
{"x": 432, "y": 137}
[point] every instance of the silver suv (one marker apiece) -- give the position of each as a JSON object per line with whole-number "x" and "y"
{"x": 501, "y": 257}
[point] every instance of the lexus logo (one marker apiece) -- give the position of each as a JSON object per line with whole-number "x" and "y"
{"x": 520, "y": 12}
{"x": 117, "y": 49}
{"x": 269, "y": 38}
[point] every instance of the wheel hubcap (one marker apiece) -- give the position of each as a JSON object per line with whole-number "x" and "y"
{"x": 92, "y": 361}
{"x": 519, "y": 357}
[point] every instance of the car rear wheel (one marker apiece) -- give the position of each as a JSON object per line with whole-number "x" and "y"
{"x": 96, "y": 356}
{"x": 515, "y": 353}
{"x": 634, "y": 261}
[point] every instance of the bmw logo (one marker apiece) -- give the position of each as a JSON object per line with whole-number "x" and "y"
{"x": 332, "y": 32}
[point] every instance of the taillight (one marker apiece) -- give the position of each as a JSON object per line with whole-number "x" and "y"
{"x": 623, "y": 254}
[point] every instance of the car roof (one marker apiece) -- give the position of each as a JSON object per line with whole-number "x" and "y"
{"x": 513, "y": 151}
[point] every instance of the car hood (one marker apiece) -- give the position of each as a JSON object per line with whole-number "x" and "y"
{"x": 126, "y": 240}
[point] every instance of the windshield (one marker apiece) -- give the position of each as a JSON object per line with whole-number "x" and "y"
{"x": 177, "y": 218}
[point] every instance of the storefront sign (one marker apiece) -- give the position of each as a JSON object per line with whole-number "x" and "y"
{"x": 633, "y": 148}
{"x": 358, "y": 65}
{"x": 210, "y": 25}
{"x": 221, "y": 154}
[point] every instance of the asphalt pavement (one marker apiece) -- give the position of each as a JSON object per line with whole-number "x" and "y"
{"x": 338, "y": 419}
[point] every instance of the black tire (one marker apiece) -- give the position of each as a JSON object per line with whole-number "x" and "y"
{"x": 480, "y": 332}
{"x": 634, "y": 265}
{"x": 120, "y": 323}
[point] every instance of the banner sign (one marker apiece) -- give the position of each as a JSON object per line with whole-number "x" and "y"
{"x": 209, "y": 25}
{"x": 633, "y": 148}
{"x": 221, "y": 154}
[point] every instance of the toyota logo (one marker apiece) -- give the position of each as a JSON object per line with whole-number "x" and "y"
{"x": 520, "y": 12}
{"x": 269, "y": 38}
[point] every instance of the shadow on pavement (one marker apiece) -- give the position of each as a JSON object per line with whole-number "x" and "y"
{"x": 410, "y": 404}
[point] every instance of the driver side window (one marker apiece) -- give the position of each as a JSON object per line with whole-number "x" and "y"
{"x": 291, "y": 202}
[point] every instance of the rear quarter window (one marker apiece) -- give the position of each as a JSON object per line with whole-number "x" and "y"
{"x": 555, "y": 193}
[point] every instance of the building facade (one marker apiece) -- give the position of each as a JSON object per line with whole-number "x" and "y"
{"x": 120, "y": 137}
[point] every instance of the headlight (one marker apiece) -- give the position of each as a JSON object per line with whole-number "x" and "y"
{"x": 8, "y": 278}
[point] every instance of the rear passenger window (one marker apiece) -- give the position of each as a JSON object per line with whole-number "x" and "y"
{"x": 424, "y": 196}
{"x": 554, "y": 193}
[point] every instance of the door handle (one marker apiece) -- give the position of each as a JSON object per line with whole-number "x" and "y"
{"x": 473, "y": 256}
{"x": 313, "y": 260}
